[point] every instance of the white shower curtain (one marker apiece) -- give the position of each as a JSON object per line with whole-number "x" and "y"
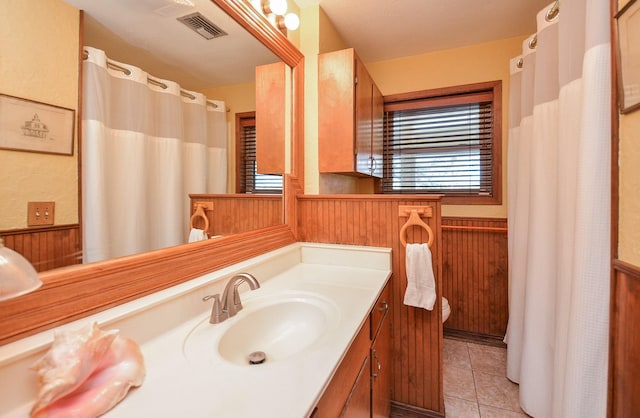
{"x": 559, "y": 214}
{"x": 145, "y": 149}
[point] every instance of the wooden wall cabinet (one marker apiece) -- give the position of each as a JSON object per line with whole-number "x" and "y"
{"x": 361, "y": 386}
{"x": 273, "y": 116}
{"x": 350, "y": 116}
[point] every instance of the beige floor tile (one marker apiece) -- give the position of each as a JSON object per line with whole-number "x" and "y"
{"x": 496, "y": 391}
{"x": 456, "y": 354}
{"x": 458, "y": 383}
{"x": 459, "y": 408}
{"x": 488, "y": 359}
{"x": 491, "y": 412}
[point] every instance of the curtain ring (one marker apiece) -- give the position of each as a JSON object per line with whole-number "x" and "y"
{"x": 520, "y": 63}
{"x": 533, "y": 42}
{"x": 553, "y": 12}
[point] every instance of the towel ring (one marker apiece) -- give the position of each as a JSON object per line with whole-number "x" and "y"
{"x": 199, "y": 213}
{"x": 414, "y": 220}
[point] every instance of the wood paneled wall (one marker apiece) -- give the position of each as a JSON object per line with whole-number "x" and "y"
{"x": 624, "y": 360}
{"x": 417, "y": 333}
{"x": 235, "y": 213}
{"x": 47, "y": 248}
{"x": 475, "y": 276}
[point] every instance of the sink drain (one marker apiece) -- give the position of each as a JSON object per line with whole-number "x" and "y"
{"x": 257, "y": 357}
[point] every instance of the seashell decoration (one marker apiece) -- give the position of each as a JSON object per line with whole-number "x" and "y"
{"x": 86, "y": 372}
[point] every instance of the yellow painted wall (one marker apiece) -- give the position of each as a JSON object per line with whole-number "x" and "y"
{"x": 238, "y": 98}
{"x": 310, "y": 47}
{"x": 39, "y": 61}
{"x": 629, "y": 183}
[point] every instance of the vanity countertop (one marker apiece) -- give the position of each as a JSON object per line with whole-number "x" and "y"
{"x": 200, "y": 383}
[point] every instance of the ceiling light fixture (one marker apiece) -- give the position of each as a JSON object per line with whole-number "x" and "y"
{"x": 276, "y": 12}
{"x": 277, "y": 7}
{"x": 291, "y": 21}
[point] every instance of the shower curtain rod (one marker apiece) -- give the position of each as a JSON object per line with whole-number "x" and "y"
{"x": 150, "y": 80}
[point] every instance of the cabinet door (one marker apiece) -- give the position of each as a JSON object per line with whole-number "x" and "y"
{"x": 341, "y": 388}
{"x": 272, "y": 116}
{"x": 358, "y": 404}
{"x": 377, "y": 131}
{"x": 364, "y": 94}
{"x": 381, "y": 370}
{"x": 336, "y": 110}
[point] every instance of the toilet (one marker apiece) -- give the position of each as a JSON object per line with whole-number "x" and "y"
{"x": 446, "y": 309}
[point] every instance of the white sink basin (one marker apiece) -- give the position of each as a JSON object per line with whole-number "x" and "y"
{"x": 280, "y": 326}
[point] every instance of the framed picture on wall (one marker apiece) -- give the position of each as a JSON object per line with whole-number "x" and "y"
{"x": 628, "y": 27}
{"x": 31, "y": 126}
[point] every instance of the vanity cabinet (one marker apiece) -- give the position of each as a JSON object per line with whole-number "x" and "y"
{"x": 381, "y": 359}
{"x": 361, "y": 387}
{"x": 350, "y": 116}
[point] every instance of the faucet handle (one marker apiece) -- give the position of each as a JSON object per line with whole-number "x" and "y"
{"x": 217, "y": 314}
{"x": 237, "y": 302}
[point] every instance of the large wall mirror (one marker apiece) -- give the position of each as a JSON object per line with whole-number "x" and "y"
{"x": 149, "y": 35}
{"x": 74, "y": 292}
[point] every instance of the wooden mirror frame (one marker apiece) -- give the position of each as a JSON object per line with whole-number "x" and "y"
{"x": 75, "y": 292}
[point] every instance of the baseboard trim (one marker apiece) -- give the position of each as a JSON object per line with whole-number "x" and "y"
{"x": 474, "y": 338}
{"x": 401, "y": 410}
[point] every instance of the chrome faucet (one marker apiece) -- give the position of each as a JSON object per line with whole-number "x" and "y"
{"x": 230, "y": 303}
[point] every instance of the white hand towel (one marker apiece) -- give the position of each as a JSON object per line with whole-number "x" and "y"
{"x": 421, "y": 284}
{"x": 197, "y": 235}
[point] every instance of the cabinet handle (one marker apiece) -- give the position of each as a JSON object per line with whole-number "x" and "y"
{"x": 384, "y": 307}
{"x": 372, "y": 165}
{"x": 375, "y": 374}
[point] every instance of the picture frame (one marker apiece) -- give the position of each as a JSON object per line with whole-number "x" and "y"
{"x": 27, "y": 125}
{"x": 628, "y": 54}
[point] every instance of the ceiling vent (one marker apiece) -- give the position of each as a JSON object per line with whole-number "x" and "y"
{"x": 202, "y": 26}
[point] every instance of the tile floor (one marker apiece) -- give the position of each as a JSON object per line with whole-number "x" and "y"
{"x": 475, "y": 385}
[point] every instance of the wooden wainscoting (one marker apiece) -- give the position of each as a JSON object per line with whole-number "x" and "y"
{"x": 417, "y": 333}
{"x": 475, "y": 276}
{"x": 235, "y": 213}
{"x": 624, "y": 342}
{"x": 48, "y": 247}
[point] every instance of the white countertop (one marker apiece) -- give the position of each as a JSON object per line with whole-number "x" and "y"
{"x": 349, "y": 277}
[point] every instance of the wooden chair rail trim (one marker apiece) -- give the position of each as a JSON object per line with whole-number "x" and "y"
{"x": 253, "y": 196}
{"x": 475, "y": 228}
{"x": 376, "y": 197}
{"x": 627, "y": 268}
{"x": 33, "y": 229}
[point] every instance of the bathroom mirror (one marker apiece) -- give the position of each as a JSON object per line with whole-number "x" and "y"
{"x": 74, "y": 292}
{"x": 228, "y": 75}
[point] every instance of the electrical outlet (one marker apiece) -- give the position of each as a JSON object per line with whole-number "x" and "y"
{"x": 40, "y": 213}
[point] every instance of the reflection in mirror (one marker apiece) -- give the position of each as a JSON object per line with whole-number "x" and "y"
{"x": 72, "y": 293}
{"x": 146, "y": 37}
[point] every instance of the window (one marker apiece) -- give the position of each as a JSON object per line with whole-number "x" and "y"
{"x": 445, "y": 141}
{"x": 248, "y": 180}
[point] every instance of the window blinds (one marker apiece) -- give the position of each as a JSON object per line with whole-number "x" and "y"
{"x": 251, "y": 181}
{"x": 440, "y": 145}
